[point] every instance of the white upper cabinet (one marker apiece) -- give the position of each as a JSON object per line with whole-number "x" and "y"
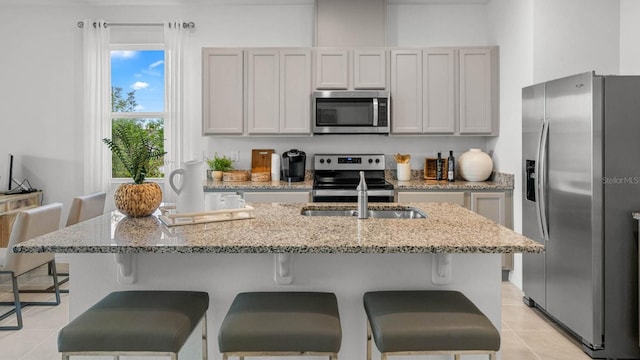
{"x": 350, "y": 69}
{"x": 332, "y": 69}
{"x": 267, "y": 91}
{"x": 263, "y": 94}
{"x": 438, "y": 90}
{"x": 478, "y": 91}
{"x": 406, "y": 91}
{"x": 369, "y": 69}
{"x": 222, "y": 91}
{"x": 278, "y": 91}
{"x": 445, "y": 91}
{"x": 295, "y": 91}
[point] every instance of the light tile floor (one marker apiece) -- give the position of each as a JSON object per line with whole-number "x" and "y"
{"x": 525, "y": 334}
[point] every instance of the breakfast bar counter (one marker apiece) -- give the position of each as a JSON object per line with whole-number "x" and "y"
{"x": 282, "y": 250}
{"x": 280, "y": 228}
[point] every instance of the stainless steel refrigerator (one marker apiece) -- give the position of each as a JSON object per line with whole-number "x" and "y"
{"x": 581, "y": 181}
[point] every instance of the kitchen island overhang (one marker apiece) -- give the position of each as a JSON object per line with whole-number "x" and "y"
{"x": 453, "y": 248}
{"x": 280, "y": 228}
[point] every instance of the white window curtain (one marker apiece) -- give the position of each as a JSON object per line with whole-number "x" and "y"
{"x": 175, "y": 37}
{"x": 97, "y": 111}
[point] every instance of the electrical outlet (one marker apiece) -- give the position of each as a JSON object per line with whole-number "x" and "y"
{"x": 235, "y": 156}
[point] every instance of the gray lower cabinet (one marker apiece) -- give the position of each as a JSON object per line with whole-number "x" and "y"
{"x": 495, "y": 205}
{"x": 277, "y": 196}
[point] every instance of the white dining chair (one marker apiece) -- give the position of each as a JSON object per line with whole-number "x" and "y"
{"x": 28, "y": 225}
{"x": 83, "y": 208}
{"x": 86, "y": 207}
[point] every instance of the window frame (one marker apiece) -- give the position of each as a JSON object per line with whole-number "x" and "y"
{"x": 135, "y": 114}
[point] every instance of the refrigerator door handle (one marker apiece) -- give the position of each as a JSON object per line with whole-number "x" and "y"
{"x": 541, "y": 175}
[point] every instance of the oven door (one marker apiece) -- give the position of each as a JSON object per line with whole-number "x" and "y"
{"x": 348, "y": 195}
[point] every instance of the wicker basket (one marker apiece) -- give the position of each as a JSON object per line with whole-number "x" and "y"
{"x": 235, "y": 175}
{"x": 260, "y": 176}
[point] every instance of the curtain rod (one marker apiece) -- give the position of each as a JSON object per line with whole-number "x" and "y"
{"x": 186, "y": 25}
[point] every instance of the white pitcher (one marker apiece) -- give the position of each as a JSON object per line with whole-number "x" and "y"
{"x": 190, "y": 193}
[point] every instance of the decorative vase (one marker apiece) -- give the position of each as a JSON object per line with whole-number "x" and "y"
{"x": 475, "y": 165}
{"x": 214, "y": 175}
{"x": 138, "y": 200}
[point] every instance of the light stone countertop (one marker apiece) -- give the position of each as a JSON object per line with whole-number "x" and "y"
{"x": 497, "y": 181}
{"x": 280, "y": 228}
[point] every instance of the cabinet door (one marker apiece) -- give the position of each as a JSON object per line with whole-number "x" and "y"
{"x": 406, "y": 91}
{"x": 476, "y": 91}
{"x": 222, "y": 91}
{"x": 295, "y": 91}
{"x": 332, "y": 69}
{"x": 369, "y": 69}
{"x": 263, "y": 78}
{"x": 493, "y": 206}
{"x": 430, "y": 196}
{"x": 439, "y": 90}
{"x": 280, "y": 196}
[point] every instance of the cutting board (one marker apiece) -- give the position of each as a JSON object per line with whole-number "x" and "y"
{"x": 261, "y": 160}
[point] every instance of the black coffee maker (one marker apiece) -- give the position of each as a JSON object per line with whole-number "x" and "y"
{"x": 293, "y": 162}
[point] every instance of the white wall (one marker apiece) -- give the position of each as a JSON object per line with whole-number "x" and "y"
{"x": 629, "y": 37}
{"x": 41, "y": 72}
{"x": 411, "y": 23}
{"x": 541, "y": 40}
{"x": 574, "y": 36}
{"x": 40, "y": 68}
{"x": 511, "y": 26}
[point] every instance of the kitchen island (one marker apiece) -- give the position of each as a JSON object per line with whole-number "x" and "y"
{"x": 280, "y": 249}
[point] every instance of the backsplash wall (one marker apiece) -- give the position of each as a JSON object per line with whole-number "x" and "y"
{"x": 418, "y": 147}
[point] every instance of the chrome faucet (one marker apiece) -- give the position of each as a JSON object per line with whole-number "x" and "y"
{"x": 363, "y": 198}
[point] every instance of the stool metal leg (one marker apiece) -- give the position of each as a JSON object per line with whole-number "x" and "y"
{"x": 493, "y": 356}
{"x": 368, "y": 340}
{"x": 205, "y": 354}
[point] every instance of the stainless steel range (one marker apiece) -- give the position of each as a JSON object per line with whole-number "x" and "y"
{"x": 336, "y": 177}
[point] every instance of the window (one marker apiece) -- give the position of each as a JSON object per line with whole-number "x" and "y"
{"x": 137, "y": 97}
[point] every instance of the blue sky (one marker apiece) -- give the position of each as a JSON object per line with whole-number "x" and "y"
{"x": 142, "y": 71}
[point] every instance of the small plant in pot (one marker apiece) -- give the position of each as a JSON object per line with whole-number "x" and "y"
{"x": 134, "y": 147}
{"x": 218, "y": 165}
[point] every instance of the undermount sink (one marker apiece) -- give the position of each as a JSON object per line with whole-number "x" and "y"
{"x": 391, "y": 213}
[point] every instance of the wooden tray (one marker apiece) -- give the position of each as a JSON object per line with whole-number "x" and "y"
{"x": 171, "y": 219}
{"x": 430, "y": 170}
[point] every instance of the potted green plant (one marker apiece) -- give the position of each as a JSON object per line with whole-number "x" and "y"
{"x": 218, "y": 165}
{"x": 134, "y": 147}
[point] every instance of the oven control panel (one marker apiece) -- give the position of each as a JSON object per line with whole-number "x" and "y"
{"x": 349, "y": 162}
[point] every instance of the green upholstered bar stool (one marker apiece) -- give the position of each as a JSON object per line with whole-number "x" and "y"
{"x": 142, "y": 323}
{"x": 280, "y": 324}
{"x": 428, "y": 323}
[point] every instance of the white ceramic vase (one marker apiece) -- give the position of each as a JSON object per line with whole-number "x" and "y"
{"x": 475, "y": 165}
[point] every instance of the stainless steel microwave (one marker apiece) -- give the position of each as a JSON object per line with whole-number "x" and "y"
{"x": 350, "y": 112}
